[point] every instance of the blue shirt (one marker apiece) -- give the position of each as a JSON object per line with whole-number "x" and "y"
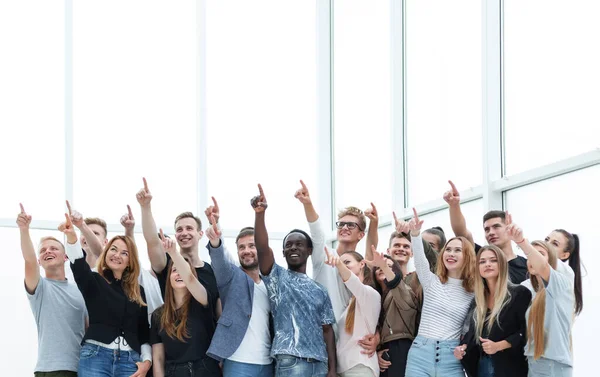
{"x": 300, "y": 309}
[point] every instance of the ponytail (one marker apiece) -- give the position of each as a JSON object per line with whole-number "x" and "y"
{"x": 574, "y": 261}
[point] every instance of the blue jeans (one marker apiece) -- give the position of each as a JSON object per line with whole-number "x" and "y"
{"x": 97, "y": 361}
{"x": 548, "y": 368}
{"x": 236, "y": 369}
{"x": 433, "y": 358}
{"x": 292, "y": 366}
{"x": 206, "y": 367}
{"x": 485, "y": 367}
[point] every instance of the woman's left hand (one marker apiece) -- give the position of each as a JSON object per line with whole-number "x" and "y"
{"x": 143, "y": 368}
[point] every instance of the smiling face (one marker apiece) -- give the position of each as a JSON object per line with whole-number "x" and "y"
{"x": 400, "y": 250}
{"x": 52, "y": 254}
{"x": 488, "y": 265}
{"x": 296, "y": 250}
{"x": 247, "y": 253}
{"x": 453, "y": 255}
{"x": 117, "y": 257}
{"x": 345, "y": 234}
{"x": 187, "y": 233}
{"x": 560, "y": 242}
{"x": 176, "y": 280}
{"x": 379, "y": 275}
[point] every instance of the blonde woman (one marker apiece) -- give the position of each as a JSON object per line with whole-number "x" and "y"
{"x": 550, "y": 317}
{"x": 447, "y": 295}
{"x": 116, "y": 341}
{"x": 493, "y": 347}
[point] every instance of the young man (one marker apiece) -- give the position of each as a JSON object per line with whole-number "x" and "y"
{"x": 494, "y": 226}
{"x": 188, "y": 232}
{"x": 242, "y": 340}
{"x": 304, "y": 343}
{"x": 58, "y": 307}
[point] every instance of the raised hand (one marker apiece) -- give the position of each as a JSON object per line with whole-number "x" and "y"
{"x": 379, "y": 259}
{"x": 213, "y": 212}
{"x": 213, "y": 233}
{"x": 302, "y": 194}
{"x": 76, "y": 217}
{"x": 415, "y": 224}
{"x": 514, "y": 232}
{"x": 452, "y": 197}
{"x": 371, "y": 213}
{"x": 332, "y": 258}
{"x": 23, "y": 219}
{"x": 67, "y": 227}
{"x": 259, "y": 202}
{"x": 127, "y": 220}
{"x": 144, "y": 197}
{"x": 169, "y": 245}
{"x": 400, "y": 225}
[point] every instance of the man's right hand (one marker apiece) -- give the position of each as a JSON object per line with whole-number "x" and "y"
{"x": 303, "y": 195}
{"x": 212, "y": 212}
{"x": 23, "y": 219}
{"x": 259, "y": 202}
{"x": 400, "y": 225}
{"x": 144, "y": 197}
{"x": 415, "y": 224}
{"x": 383, "y": 364}
{"x": 452, "y": 196}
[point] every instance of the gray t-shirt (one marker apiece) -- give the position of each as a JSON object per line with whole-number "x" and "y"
{"x": 558, "y": 319}
{"x": 59, "y": 311}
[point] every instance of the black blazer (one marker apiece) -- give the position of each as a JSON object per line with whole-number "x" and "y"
{"x": 110, "y": 312}
{"x": 510, "y": 362}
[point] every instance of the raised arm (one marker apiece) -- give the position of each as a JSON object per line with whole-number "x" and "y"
{"x": 184, "y": 269}
{"x": 32, "y": 270}
{"x": 421, "y": 263}
{"x": 379, "y": 261}
{"x": 316, "y": 231}
{"x": 373, "y": 232}
{"x": 457, "y": 220}
{"x": 156, "y": 254}
{"x": 266, "y": 259}
{"x": 534, "y": 257}
{"x": 128, "y": 222}
{"x": 95, "y": 246}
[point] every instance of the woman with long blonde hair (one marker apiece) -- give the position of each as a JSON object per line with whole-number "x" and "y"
{"x": 116, "y": 343}
{"x": 359, "y": 318}
{"x": 550, "y": 316}
{"x": 493, "y": 347}
{"x": 447, "y": 295}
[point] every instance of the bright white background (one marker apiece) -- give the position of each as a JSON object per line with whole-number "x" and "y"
{"x": 208, "y": 98}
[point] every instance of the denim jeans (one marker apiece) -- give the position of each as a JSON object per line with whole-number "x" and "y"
{"x": 292, "y": 366}
{"x": 548, "y": 368}
{"x": 97, "y": 361}
{"x": 57, "y": 373}
{"x": 206, "y": 367}
{"x": 236, "y": 369}
{"x": 433, "y": 358}
{"x": 485, "y": 367}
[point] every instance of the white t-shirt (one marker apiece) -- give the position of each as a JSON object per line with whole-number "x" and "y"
{"x": 256, "y": 345}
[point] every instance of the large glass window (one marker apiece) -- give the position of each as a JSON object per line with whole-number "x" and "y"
{"x": 32, "y": 41}
{"x": 362, "y": 100}
{"x": 551, "y": 81}
{"x": 134, "y": 106}
{"x": 261, "y": 107}
{"x": 443, "y": 95}
{"x": 566, "y": 202}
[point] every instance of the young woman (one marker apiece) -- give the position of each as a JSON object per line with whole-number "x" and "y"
{"x": 550, "y": 316}
{"x": 118, "y": 329}
{"x": 493, "y": 347}
{"x": 447, "y": 295}
{"x": 567, "y": 247}
{"x": 399, "y": 319}
{"x": 183, "y": 327}
{"x": 359, "y": 318}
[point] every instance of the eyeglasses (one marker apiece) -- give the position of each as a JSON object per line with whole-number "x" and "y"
{"x": 349, "y": 224}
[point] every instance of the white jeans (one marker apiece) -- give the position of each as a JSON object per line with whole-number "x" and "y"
{"x": 359, "y": 370}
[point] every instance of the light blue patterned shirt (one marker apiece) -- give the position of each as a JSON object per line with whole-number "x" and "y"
{"x": 300, "y": 309}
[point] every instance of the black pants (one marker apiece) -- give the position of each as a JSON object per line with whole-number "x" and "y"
{"x": 398, "y": 350}
{"x": 59, "y": 373}
{"x": 206, "y": 367}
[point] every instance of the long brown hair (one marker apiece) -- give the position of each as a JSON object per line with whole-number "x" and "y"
{"x": 367, "y": 280}
{"x": 537, "y": 314}
{"x": 468, "y": 271}
{"x": 482, "y": 291}
{"x": 173, "y": 320}
{"x": 132, "y": 271}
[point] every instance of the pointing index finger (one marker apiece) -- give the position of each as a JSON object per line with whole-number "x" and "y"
{"x": 145, "y": 184}
{"x": 162, "y": 235}
{"x": 22, "y": 208}
{"x": 303, "y": 185}
{"x": 129, "y": 211}
{"x": 454, "y": 190}
{"x": 416, "y": 215}
{"x": 69, "y": 207}
{"x": 215, "y": 202}
{"x": 260, "y": 190}
{"x": 68, "y": 220}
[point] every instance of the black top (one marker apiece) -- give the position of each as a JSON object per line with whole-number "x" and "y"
{"x": 206, "y": 276}
{"x": 517, "y": 268}
{"x": 111, "y": 314}
{"x": 200, "y": 327}
{"x": 510, "y": 362}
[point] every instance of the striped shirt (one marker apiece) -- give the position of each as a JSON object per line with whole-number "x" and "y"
{"x": 445, "y": 306}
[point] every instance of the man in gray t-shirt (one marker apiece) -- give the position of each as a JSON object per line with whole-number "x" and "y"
{"x": 58, "y": 307}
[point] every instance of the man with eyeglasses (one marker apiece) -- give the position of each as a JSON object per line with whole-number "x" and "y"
{"x": 351, "y": 227}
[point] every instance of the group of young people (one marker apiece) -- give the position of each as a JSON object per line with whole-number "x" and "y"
{"x": 467, "y": 309}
